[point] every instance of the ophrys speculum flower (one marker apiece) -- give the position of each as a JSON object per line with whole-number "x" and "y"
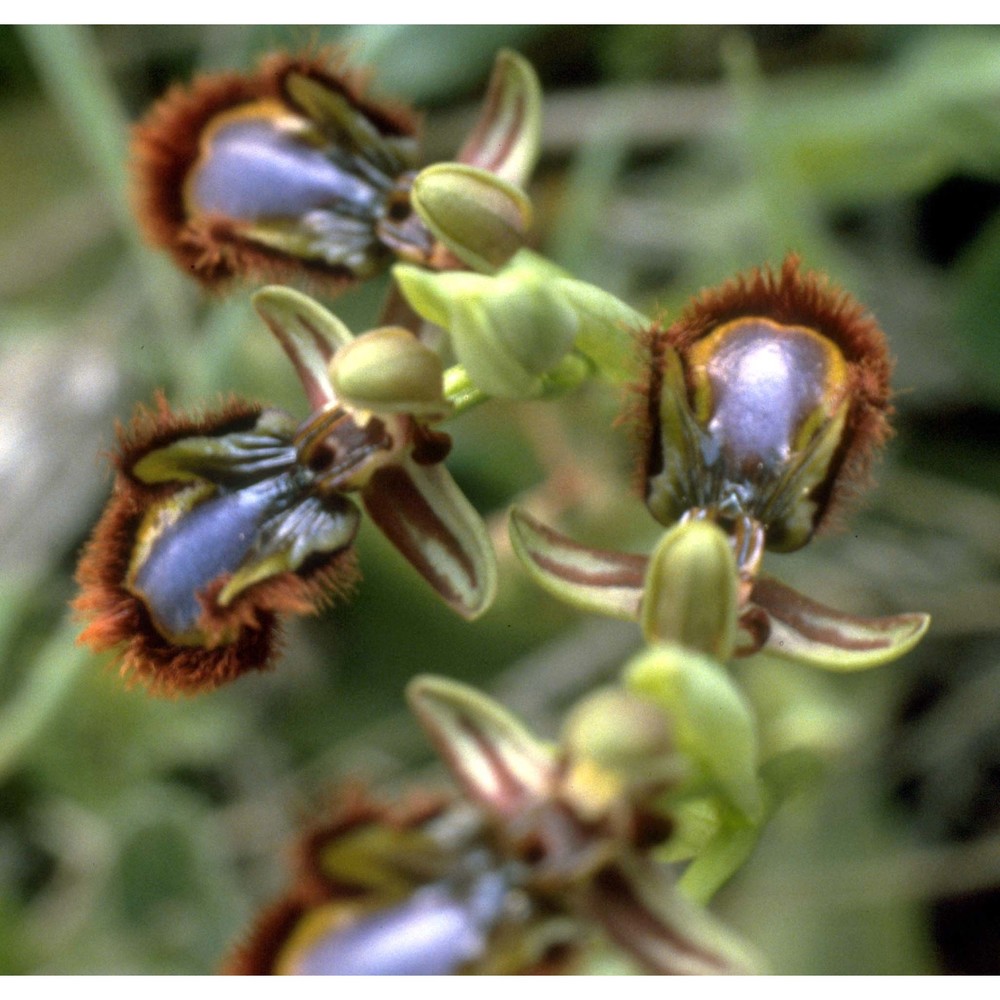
{"x": 545, "y": 855}
{"x": 760, "y": 411}
{"x": 219, "y": 525}
{"x": 292, "y": 171}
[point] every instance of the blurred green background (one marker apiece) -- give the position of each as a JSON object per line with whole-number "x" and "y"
{"x": 140, "y": 836}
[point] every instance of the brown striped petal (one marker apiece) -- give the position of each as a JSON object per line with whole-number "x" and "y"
{"x": 607, "y": 582}
{"x": 421, "y": 510}
{"x": 499, "y": 764}
{"x": 796, "y": 628}
{"x": 308, "y": 334}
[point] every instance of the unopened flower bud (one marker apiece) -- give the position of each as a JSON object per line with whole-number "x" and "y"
{"x": 480, "y": 218}
{"x": 690, "y": 595}
{"x": 388, "y": 370}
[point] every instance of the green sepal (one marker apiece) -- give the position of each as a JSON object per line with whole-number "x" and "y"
{"x": 713, "y": 723}
{"x": 507, "y": 331}
{"x": 508, "y": 341}
{"x": 507, "y": 137}
{"x": 389, "y": 370}
{"x": 805, "y": 631}
{"x": 500, "y": 765}
{"x": 431, "y": 294}
{"x": 626, "y": 735}
{"x": 726, "y": 839}
{"x": 610, "y": 583}
{"x": 250, "y": 455}
{"x": 421, "y": 510}
{"x": 690, "y": 593}
{"x": 309, "y": 334}
{"x": 480, "y": 218}
{"x": 720, "y": 858}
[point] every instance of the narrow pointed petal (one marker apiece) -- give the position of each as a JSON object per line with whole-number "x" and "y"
{"x": 497, "y": 761}
{"x": 421, "y": 510}
{"x": 609, "y": 583}
{"x": 608, "y": 328}
{"x": 265, "y": 449}
{"x": 334, "y": 114}
{"x": 800, "y": 629}
{"x": 637, "y": 902}
{"x": 308, "y": 334}
{"x": 507, "y": 137}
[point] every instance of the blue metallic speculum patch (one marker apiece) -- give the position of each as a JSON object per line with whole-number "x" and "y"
{"x": 263, "y": 167}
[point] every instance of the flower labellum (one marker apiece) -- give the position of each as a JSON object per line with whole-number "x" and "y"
{"x": 286, "y": 169}
{"x": 762, "y": 407}
{"x": 760, "y": 411}
{"x": 210, "y": 534}
{"x": 409, "y": 889}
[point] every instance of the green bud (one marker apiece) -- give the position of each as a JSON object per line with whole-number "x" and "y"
{"x": 713, "y": 724}
{"x": 507, "y": 331}
{"x": 389, "y": 371}
{"x": 690, "y": 595}
{"x": 623, "y": 733}
{"x": 480, "y": 218}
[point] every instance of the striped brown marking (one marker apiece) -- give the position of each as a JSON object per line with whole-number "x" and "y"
{"x": 403, "y": 514}
{"x": 658, "y": 945}
{"x": 801, "y": 614}
{"x": 623, "y": 569}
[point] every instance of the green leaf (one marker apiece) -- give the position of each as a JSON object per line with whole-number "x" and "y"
{"x": 610, "y": 583}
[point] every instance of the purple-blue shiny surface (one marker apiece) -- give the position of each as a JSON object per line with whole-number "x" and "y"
{"x": 205, "y": 542}
{"x": 765, "y": 382}
{"x": 255, "y": 171}
{"x": 432, "y": 933}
